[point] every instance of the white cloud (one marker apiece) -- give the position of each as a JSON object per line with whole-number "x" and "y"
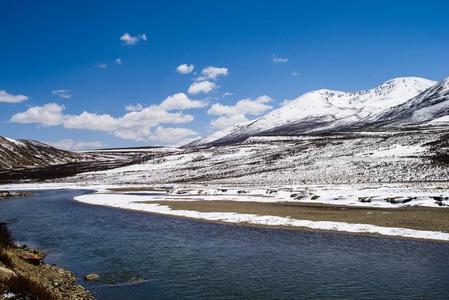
{"x": 72, "y": 145}
{"x": 181, "y": 101}
{"x": 134, "y": 125}
{"x": 212, "y": 73}
{"x": 130, "y": 40}
{"x": 118, "y": 61}
{"x": 201, "y": 87}
{"x": 246, "y": 106}
{"x": 91, "y": 121}
{"x": 263, "y": 99}
{"x": 279, "y": 60}
{"x": 295, "y": 74}
{"x": 286, "y": 102}
{"x": 134, "y": 107}
{"x": 135, "y": 134}
{"x": 48, "y": 115}
{"x": 225, "y": 94}
{"x": 185, "y": 141}
{"x": 171, "y": 135}
{"x": 228, "y": 121}
{"x": 185, "y": 69}
{"x": 6, "y": 97}
{"x": 234, "y": 114}
{"x": 62, "y": 93}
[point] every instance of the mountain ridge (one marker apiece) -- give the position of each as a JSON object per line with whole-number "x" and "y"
{"x": 325, "y": 110}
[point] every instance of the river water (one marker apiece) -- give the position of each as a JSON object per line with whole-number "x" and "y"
{"x": 144, "y": 256}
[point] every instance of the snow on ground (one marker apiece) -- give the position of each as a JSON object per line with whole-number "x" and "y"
{"x": 398, "y": 151}
{"x": 14, "y": 141}
{"x": 444, "y": 120}
{"x": 274, "y": 161}
{"x": 362, "y": 195}
{"x": 381, "y": 196}
{"x": 133, "y": 202}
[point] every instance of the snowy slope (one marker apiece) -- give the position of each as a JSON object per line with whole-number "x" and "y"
{"x": 430, "y": 107}
{"x": 324, "y": 110}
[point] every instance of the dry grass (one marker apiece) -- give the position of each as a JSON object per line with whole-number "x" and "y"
{"x": 41, "y": 281}
{"x": 27, "y": 288}
{"x": 420, "y": 218}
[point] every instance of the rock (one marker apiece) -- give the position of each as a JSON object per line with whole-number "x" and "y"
{"x": 32, "y": 258}
{"x": 9, "y": 295}
{"x": 399, "y": 200}
{"x": 9, "y": 194}
{"x": 314, "y": 197}
{"x": 365, "y": 199}
{"x": 91, "y": 277}
{"x": 298, "y": 195}
{"x": 135, "y": 280}
{"x": 440, "y": 198}
{"x": 6, "y": 274}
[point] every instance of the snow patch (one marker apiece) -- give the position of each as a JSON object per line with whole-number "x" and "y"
{"x": 397, "y": 151}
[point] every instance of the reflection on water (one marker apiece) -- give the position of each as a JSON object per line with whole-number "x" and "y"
{"x": 143, "y": 256}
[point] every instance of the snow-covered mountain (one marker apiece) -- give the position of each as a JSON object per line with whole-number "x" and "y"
{"x": 27, "y": 153}
{"x": 431, "y": 107}
{"x": 325, "y": 110}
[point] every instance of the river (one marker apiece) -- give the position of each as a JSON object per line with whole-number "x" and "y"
{"x": 145, "y": 256}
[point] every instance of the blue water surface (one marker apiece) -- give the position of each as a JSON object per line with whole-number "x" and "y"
{"x": 145, "y": 256}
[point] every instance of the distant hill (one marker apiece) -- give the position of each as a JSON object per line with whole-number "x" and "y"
{"x": 15, "y": 154}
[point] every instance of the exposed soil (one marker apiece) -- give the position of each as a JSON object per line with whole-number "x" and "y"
{"x": 420, "y": 218}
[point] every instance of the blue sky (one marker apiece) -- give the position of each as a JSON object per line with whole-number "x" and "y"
{"x": 260, "y": 51}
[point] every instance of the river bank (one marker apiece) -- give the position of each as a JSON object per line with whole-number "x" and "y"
{"x": 402, "y": 221}
{"x": 418, "y": 218}
{"x": 23, "y": 275}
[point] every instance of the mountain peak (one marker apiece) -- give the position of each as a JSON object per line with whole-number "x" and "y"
{"x": 325, "y": 110}
{"x": 407, "y": 79}
{"x": 415, "y": 83}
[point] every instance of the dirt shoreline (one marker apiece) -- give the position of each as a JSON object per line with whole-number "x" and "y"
{"x": 30, "y": 278}
{"x": 418, "y": 218}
